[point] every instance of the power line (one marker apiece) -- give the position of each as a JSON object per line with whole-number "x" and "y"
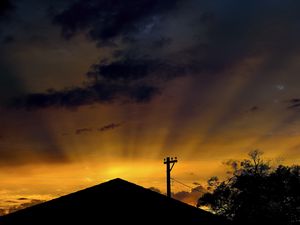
{"x": 194, "y": 189}
{"x": 181, "y": 183}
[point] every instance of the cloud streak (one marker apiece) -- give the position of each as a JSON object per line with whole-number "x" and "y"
{"x": 83, "y": 130}
{"x": 110, "y": 126}
{"x": 294, "y": 103}
{"x": 99, "y": 92}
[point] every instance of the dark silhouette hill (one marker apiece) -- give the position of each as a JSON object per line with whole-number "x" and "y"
{"x": 113, "y": 202}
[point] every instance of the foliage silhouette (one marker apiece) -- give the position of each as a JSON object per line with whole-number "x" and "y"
{"x": 256, "y": 193}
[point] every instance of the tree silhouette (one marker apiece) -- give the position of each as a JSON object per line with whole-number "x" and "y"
{"x": 255, "y": 193}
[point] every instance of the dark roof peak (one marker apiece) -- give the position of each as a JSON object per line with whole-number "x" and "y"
{"x": 115, "y": 201}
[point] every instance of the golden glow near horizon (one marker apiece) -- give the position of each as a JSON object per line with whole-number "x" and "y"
{"x": 44, "y": 182}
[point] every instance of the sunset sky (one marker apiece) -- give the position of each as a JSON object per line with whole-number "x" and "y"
{"x": 91, "y": 90}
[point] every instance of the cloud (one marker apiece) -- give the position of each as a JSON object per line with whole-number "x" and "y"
{"x": 30, "y": 203}
{"x": 109, "y": 127}
{"x": 253, "y": 109}
{"x": 98, "y": 92}
{"x": 153, "y": 42}
{"x": 83, "y": 130}
{"x": 8, "y": 39}
{"x": 186, "y": 196}
{"x": 215, "y": 34}
{"x": 105, "y": 21}
{"x": 155, "y": 189}
{"x": 5, "y": 6}
{"x": 129, "y": 79}
{"x": 18, "y": 204}
{"x": 190, "y": 197}
{"x": 3, "y": 211}
{"x": 10, "y": 201}
{"x": 135, "y": 69}
{"x": 181, "y": 195}
{"x": 294, "y": 103}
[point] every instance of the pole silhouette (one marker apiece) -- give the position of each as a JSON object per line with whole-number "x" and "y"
{"x": 170, "y": 162}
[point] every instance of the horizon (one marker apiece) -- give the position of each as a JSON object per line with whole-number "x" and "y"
{"x": 187, "y": 197}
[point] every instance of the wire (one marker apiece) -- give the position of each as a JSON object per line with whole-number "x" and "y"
{"x": 194, "y": 189}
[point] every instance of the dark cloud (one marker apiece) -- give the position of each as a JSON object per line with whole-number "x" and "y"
{"x": 127, "y": 80}
{"x": 109, "y": 127}
{"x": 294, "y": 100}
{"x": 83, "y": 130}
{"x": 134, "y": 69}
{"x": 99, "y": 92}
{"x": 253, "y": 109}
{"x": 210, "y": 39}
{"x": 86, "y": 130}
{"x": 104, "y": 21}
{"x": 162, "y": 42}
{"x": 5, "y": 6}
{"x": 20, "y": 203}
{"x": 181, "y": 195}
{"x": 3, "y": 211}
{"x": 190, "y": 197}
{"x": 11, "y": 201}
{"x": 155, "y": 189}
{"x": 31, "y": 202}
{"x": 294, "y": 103}
{"x": 126, "y": 70}
{"x": 294, "y": 106}
{"x": 8, "y": 39}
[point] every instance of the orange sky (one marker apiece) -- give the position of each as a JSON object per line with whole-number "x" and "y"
{"x": 134, "y": 150}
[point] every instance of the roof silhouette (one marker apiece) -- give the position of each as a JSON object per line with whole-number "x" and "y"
{"x": 113, "y": 202}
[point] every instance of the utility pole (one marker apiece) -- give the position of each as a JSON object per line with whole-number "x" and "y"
{"x": 168, "y": 161}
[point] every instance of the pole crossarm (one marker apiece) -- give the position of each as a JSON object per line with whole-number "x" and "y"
{"x": 173, "y": 163}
